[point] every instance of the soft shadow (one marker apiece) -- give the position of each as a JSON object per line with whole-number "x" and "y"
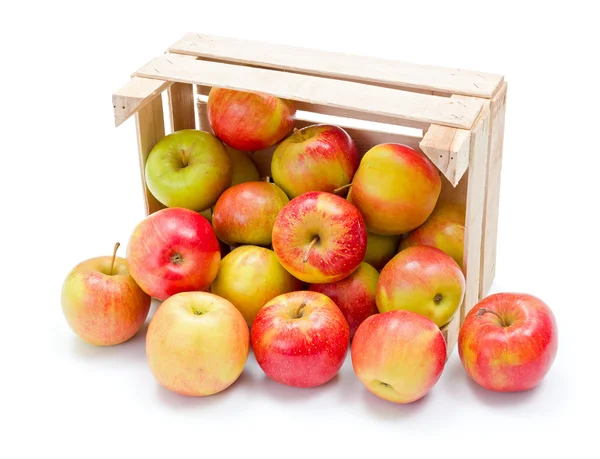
{"x": 289, "y": 394}
{"x": 134, "y": 349}
{"x": 389, "y": 411}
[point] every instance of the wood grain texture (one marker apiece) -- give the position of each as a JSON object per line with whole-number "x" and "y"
{"x": 448, "y": 149}
{"x": 341, "y": 66}
{"x": 492, "y": 199}
{"x": 475, "y": 205}
{"x": 181, "y": 106}
{"x": 150, "y": 126}
{"x": 355, "y": 100}
{"x": 134, "y": 95}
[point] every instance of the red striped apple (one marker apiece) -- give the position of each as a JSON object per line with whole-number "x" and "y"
{"x": 444, "y": 229}
{"x": 508, "y": 342}
{"x": 395, "y": 188}
{"x": 102, "y": 303}
{"x": 197, "y": 344}
{"x": 380, "y": 249}
{"x": 315, "y": 158}
{"x": 251, "y": 276}
{"x": 245, "y": 213}
{"x": 399, "y": 355}
{"x": 423, "y": 280}
{"x": 188, "y": 168}
{"x": 300, "y": 339}
{"x": 319, "y": 237}
{"x": 249, "y": 121}
{"x": 171, "y": 251}
{"x": 354, "y": 295}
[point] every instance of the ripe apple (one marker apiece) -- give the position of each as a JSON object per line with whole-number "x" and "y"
{"x": 197, "y": 344}
{"x": 444, "y": 229}
{"x": 251, "y": 276}
{"x": 424, "y": 280}
{"x": 244, "y": 169}
{"x": 315, "y": 158}
{"x": 354, "y": 295}
{"x": 395, "y": 188}
{"x": 188, "y": 168}
{"x": 399, "y": 355}
{"x": 300, "y": 339}
{"x": 173, "y": 250}
{"x": 249, "y": 121}
{"x": 319, "y": 237}
{"x": 508, "y": 342}
{"x": 245, "y": 213}
{"x": 102, "y": 303}
{"x": 380, "y": 249}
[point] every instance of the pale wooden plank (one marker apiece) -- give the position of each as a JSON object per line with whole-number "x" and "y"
{"x": 479, "y": 151}
{"x": 181, "y": 106}
{"x": 202, "y": 109}
{"x": 450, "y": 333}
{"x": 490, "y": 221}
{"x": 338, "y": 65}
{"x": 357, "y": 100}
{"x": 134, "y": 95}
{"x": 150, "y": 126}
{"x": 448, "y": 149}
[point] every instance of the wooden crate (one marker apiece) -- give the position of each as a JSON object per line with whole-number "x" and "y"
{"x": 457, "y": 117}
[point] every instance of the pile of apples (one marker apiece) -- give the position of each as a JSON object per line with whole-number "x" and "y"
{"x": 332, "y": 252}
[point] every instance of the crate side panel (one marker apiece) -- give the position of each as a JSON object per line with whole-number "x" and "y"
{"x": 181, "y": 106}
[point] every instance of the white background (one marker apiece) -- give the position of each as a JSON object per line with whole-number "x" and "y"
{"x": 70, "y": 187}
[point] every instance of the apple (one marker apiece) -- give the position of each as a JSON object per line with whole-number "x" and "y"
{"x": 508, "y": 342}
{"x": 300, "y": 339}
{"x": 102, "y": 303}
{"x": 249, "y": 277}
{"x": 319, "y": 237}
{"x": 188, "y": 168}
{"x": 197, "y": 344}
{"x": 424, "y": 280}
{"x": 380, "y": 249}
{"x": 245, "y": 213}
{"x": 315, "y": 158}
{"x": 171, "y": 251}
{"x": 244, "y": 169}
{"x": 249, "y": 121}
{"x": 398, "y": 355}
{"x": 395, "y": 188}
{"x": 354, "y": 295}
{"x": 444, "y": 229}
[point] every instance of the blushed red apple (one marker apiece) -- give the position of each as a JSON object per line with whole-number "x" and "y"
{"x": 319, "y": 237}
{"x": 249, "y": 121}
{"x": 508, "y": 342}
{"x": 300, "y": 339}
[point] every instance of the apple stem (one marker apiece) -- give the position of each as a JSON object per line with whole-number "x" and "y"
{"x": 112, "y": 263}
{"x": 482, "y": 311}
{"x": 337, "y": 190}
{"x": 310, "y": 246}
{"x": 184, "y": 158}
{"x": 299, "y": 310}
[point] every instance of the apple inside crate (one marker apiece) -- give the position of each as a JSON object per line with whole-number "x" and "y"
{"x": 454, "y": 117}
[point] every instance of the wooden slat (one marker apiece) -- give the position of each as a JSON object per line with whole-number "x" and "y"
{"x": 475, "y": 208}
{"x": 490, "y": 220}
{"x": 343, "y": 66}
{"x": 448, "y": 149}
{"x": 181, "y": 106}
{"x": 353, "y": 100}
{"x": 450, "y": 333}
{"x": 202, "y": 108}
{"x": 150, "y": 125}
{"x": 134, "y": 95}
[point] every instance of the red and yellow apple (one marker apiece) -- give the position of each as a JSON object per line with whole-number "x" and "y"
{"x": 508, "y": 342}
{"x": 399, "y": 355}
{"x": 395, "y": 188}
{"x": 315, "y": 158}
{"x": 249, "y": 121}
{"x": 354, "y": 295}
{"x": 251, "y": 276}
{"x": 102, "y": 303}
{"x": 380, "y": 249}
{"x": 197, "y": 344}
{"x": 245, "y": 213}
{"x": 244, "y": 169}
{"x": 444, "y": 229}
{"x": 423, "y": 280}
{"x": 300, "y": 339}
{"x": 319, "y": 237}
{"x": 171, "y": 251}
{"x": 188, "y": 168}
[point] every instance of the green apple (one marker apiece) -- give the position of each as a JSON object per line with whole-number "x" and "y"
{"x": 244, "y": 169}
{"x": 188, "y": 168}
